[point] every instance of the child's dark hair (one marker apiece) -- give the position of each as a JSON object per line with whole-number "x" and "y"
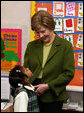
{"x": 16, "y": 76}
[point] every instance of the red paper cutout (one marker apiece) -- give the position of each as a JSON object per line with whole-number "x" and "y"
{"x": 69, "y": 23}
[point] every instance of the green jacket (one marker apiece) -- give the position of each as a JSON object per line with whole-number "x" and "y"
{"x": 58, "y": 70}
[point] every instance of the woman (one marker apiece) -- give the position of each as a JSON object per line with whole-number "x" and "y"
{"x": 51, "y": 59}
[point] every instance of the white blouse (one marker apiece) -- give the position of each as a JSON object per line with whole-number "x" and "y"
{"x": 21, "y": 100}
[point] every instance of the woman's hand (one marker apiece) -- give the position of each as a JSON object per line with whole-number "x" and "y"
{"x": 41, "y": 88}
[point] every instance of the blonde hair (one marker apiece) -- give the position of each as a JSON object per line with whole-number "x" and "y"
{"x": 42, "y": 18}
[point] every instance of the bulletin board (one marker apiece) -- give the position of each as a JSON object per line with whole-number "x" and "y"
{"x": 68, "y": 17}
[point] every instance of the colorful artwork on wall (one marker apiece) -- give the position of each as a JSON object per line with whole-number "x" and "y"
{"x": 10, "y": 48}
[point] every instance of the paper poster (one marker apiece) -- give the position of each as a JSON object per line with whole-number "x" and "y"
{"x": 58, "y": 24}
{"x": 80, "y": 10}
{"x": 79, "y": 24}
{"x": 69, "y": 25}
{"x": 69, "y": 38}
{"x": 41, "y": 6}
{"x": 70, "y": 9}
{"x": 80, "y": 59}
{"x": 10, "y": 48}
{"x": 80, "y": 42}
{"x": 58, "y": 9}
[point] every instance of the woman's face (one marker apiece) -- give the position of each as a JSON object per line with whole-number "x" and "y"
{"x": 45, "y": 34}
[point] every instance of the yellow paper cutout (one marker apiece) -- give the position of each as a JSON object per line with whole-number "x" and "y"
{"x": 33, "y": 3}
{"x": 80, "y": 28}
{"x": 81, "y": 14}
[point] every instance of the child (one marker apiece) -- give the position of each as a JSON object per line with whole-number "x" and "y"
{"x": 25, "y": 98}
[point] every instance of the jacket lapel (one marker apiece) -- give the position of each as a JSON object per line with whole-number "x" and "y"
{"x": 39, "y": 49}
{"x": 40, "y": 54}
{"x": 55, "y": 48}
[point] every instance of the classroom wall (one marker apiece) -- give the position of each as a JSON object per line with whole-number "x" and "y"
{"x": 16, "y": 14}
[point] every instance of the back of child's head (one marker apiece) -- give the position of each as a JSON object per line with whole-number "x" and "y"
{"x": 16, "y": 76}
